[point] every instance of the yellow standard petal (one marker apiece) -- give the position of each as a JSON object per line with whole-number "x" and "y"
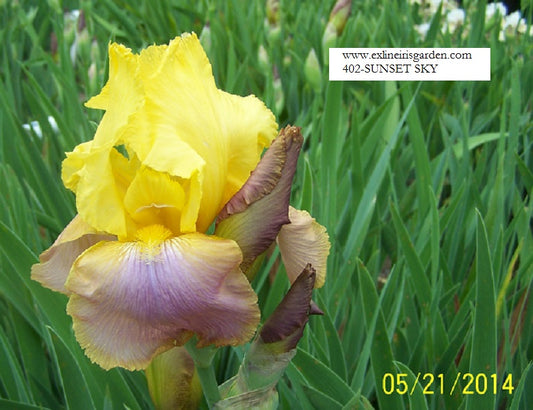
{"x": 95, "y": 171}
{"x": 101, "y": 189}
{"x": 187, "y": 125}
{"x": 165, "y": 113}
{"x": 155, "y": 198}
{"x": 74, "y": 165}
{"x": 301, "y": 242}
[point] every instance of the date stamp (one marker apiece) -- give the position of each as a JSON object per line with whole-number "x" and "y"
{"x": 464, "y": 383}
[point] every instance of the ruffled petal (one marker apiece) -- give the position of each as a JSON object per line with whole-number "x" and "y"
{"x": 120, "y": 97}
{"x": 73, "y": 165}
{"x": 155, "y": 198}
{"x": 301, "y": 242}
{"x": 55, "y": 262}
{"x": 95, "y": 170}
{"x": 134, "y": 300}
{"x": 164, "y": 112}
{"x": 188, "y": 125}
{"x": 100, "y": 194}
{"x": 255, "y": 214}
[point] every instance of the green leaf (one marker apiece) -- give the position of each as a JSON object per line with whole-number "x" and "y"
{"x": 322, "y": 378}
{"x": 417, "y": 400}
{"x": 75, "y": 387}
{"x": 517, "y": 393}
{"x": 483, "y": 357}
{"x": 418, "y": 274}
{"x": 6, "y": 404}
{"x": 11, "y": 372}
{"x": 381, "y": 352}
{"x": 21, "y": 258}
{"x": 337, "y": 357}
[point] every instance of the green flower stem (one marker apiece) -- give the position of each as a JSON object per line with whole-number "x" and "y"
{"x": 203, "y": 361}
{"x": 209, "y": 384}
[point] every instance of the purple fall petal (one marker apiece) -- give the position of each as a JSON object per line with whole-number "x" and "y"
{"x": 55, "y": 262}
{"x": 131, "y": 301}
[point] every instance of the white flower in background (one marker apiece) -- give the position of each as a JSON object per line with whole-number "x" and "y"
{"x": 422, "y": 29}
{"x": 34, "y": 126}
{"x": 495, "y": 9}
{"x": 430, "y": 7}
{"x": 513, "y": 24}
{"x": 454, "y": 19}
{"x": 454, "y": 16}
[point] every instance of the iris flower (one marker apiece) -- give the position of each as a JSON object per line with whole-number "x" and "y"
{"x": 175, "y": 201}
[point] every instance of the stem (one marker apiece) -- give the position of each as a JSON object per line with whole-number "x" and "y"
{"x": 203, "y": 362}
{"x": 209, "y": 384}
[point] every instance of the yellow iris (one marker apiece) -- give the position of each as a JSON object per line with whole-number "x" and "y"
{"x": 171, "y": 149}
{"x": 171, "y": 155}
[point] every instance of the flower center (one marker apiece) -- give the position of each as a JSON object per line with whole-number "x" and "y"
{"x": 152, "y": 236}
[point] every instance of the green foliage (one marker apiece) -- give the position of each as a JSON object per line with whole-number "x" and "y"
{"x": 425, "y": 189}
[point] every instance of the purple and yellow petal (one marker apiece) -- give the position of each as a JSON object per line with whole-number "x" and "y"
{"x": 304, "y": 241}
{"x": 131, "y": 301}
{"x": 255, "y": 214}
{"x": 55, "y": 263}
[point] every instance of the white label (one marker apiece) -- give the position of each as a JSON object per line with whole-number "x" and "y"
{"x": 409, "y": 64}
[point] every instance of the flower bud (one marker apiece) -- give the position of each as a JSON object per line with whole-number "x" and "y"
{"x": 329, "y": 40}
{"x": 263, "y": 60}
{"x": 272, "y": 26}
{"x": 272, "y": 12}
{"x": 205, "y": 38}
{"x": 84, "y": 45}
{"x": 173, "y": 382}
{"x": 273, "y": 32}
{"x": 312, "y": 71}
{"x": 339, "y": 15}
{"x": 272, "y": 349}
{"x": 69, "y": 30}
{"x": 279, "y": 96}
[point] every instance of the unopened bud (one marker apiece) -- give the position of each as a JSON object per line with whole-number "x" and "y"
{"x": 84, "y": 43}
{"x": 263, "y": 60}
{"x": 272, "y": 12}
{"x": 70, "y": 26}
{"x": 273, "y": 32}
{"x": 173, "y": 382}
{"x": 329, "y": 40}
{"x": 312, "y": 71}
{"x": 272, "y": 349}
{"x": 205, "y": 38}
{"x": 279, "y": 96}
{"x": 339, "y": 15}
